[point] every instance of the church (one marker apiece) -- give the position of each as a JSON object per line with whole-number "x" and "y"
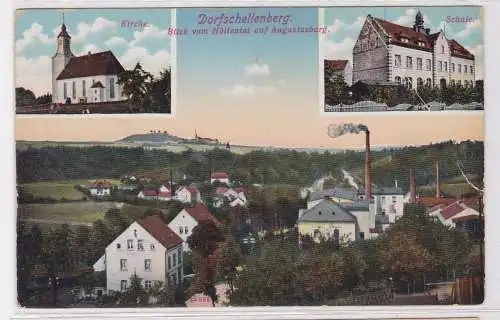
{"x": 91, "y": 78}
{"x": 388, "y": 53}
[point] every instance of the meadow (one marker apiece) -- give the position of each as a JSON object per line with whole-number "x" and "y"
{"x": 60, "y": 190}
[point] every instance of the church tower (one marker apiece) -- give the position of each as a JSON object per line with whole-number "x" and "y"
{"x": 419, "y": 23}
{"x": 60, "y": 59}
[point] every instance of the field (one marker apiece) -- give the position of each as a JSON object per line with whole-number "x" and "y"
{"x": 74, "y": 212}
{"x": 59, "y": 189}
{"x": 451, "y": 189}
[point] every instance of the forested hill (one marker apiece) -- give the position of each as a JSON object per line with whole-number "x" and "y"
{"x": 284, "y": 166}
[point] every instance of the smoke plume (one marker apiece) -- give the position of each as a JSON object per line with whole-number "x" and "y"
{"x": 337, "y": 130}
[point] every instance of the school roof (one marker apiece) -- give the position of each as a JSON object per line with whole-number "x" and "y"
{"x": 327, "y": 211}
{"x": 160, "y": 231}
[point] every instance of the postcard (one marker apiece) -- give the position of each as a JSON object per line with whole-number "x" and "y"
{"x": 402, "y": 59}
{"x": 246, "y": 196}
{"x": 93, "y": 61}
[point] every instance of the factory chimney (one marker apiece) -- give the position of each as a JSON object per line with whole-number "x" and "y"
{"x": 438, "y": 182}
{"x": 368, "y": 168}
{"x": 413, "y": 186}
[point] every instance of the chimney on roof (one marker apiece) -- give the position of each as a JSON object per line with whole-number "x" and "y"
{"x": 368, "y": 168}
{"x": 438, "y": 182}
{"x": 88, "y": 53}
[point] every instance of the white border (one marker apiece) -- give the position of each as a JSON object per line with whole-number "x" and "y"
{"x": 489, "y": 310}
{"x": 322, "y": 38}
{"x": 138, "y": 116}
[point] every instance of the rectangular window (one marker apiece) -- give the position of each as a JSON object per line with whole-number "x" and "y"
{"x": 409, "y": 63}
{"x": 181, "y": 229}
{"x": 465, "y": 68}
{"x": 152, "y": 246}
{"x": 397, "y": 60}
{"x": 459, "y": 68}
{"x": 169, "y": 262}
{"x": 452, "y": 67}
{"x": 65, "y": 91}
{"x": 148, "y": 284}
{"x": 123, "y": 264}
{"x": 84, "y": 89}
{"x": 440, "y": 65}
{"x": 459, "y": 82}
{"x": 419, "y": 63}
{"x": 118, "y": 246}
{"x": 73, "y": 90}
{"x": 362, "y": 235}
{"x": 147, "y": 264}
{"x": 112, "y": 88}
{"x": 123, "y": 285}
{"x": 471, "y": 69}
{"x": 186, "y": 230}
{"x": 130, "y": 244}
{"x": 140, "y": 245}
{"x": 174, "y": 259}
{"x": 428, "y": 64}
{"x": 446, "y": 66}
{"x": 179, "y": 255}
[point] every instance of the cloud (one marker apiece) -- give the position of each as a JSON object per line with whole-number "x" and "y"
{"x": 246, "y": 90}
{"x": 92, "y": 48}
{"x": 84, "y": 29}
{"x": 469, "y": 28}
{"x": 153, "y": 63}
{"x": 339, "y": 24}
{"x": 31, "y": 36}
{"x": 34, "y": 74}
{"x": 149, "y": 32}
{"x": 478, "y": 52}
{"x": 115, "y": 41}
{"x": 339, "y": 50}
{"x": 257, "y": 69}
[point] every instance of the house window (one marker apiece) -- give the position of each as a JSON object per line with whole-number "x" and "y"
{"x": 169, "y": 262}
{"x": 84, "y": 89}
{"x": 186, "y": 230}
{"x": 471, "y": 69}
{"x": 130, "y": 244}
{"x": 397, "y": 60}
{"x": 362, "y": 235}
{"x": 93, "y": 81}
{"x": 181, "y": 229}
{"x": 420, "y": 82}
{"x": 148, "y": 284}
{"x": 459, "y": 82}
{"x": 152, "y": 246}
{"x": 440, "y": 65}
{"x": 452, "y": 82}
{"x": 397, "y": 80}
{"x": 123, "y": 264}
{"x": 73, "y": 89}
{"x": 459, "y": 68}
{"x": 408, "y": 82}
{"x": 174, "y": 259}
{"x": 135, "y": 233}
{"x": 428, "y": 82}
{"x": 147, "y": 264}
{"x": 382, "y": 199}
{"x": 404, "y": 40}
{"x": 179, "y": 255}
{"x": 123, "y": 285}
{"x": 140, "y": 245}
{"x": 446, "y": 66}
{"x": 112, "y": 88}
{"x": 419, "y": 63}
{"x": 465, "y": 68}
{"x": 409, "y": 63}
{"x": 65, "y": 87}
{"x": 118, "y": 246}
{"x": 452, "y": 66}
{"x": 442, "y": 49}
{"x": 428, "y": 64}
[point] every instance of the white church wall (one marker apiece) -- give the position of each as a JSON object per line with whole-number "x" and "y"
{"x": 89, "y": 94}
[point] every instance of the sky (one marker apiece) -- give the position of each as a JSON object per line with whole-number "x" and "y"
{"x": 90, "y": 30}
{"x": 259, "y": 90}
{"x": 344, "y": 25}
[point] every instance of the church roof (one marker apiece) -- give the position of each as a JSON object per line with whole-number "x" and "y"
{"x": 97, "y": 64}
{"x": 335, "y": 65}
{"x": 398, "y": 32}
{"x": 63, "y": 32}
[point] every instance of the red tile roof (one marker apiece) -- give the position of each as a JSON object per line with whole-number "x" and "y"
{"x": 219, "y": 175}
{"x": 376, "y": 230}
{"x": 452, "y": 210}
{"x": 470, "y": 217}
{"x": 335, "y": 65}
{"x": 166, "y": 194}
{"x": 433, "y": 201}
{"x": 200, "y": 212}
{"x": 149, "y": 193}
{"x": 160, "y": 231}
{"x": 192, "y": 189}
{"x": 100, "y": 185}
{"x": 239, "y": 189}
{"x": 398, "y": 32}
{"x": 97, "y": 64}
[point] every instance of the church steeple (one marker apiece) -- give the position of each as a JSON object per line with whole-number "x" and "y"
{"x": 60, "y": 59}
{"x": 63, "y": 40}
{"x": 419, "y": 22}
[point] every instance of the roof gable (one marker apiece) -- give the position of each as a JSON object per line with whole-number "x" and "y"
{"x": 327, "y": 211}
{"x": 160, "y": 231}
{"x": 97, "y": 64}
{"x": 200, "y": 212}
{"x": 219, "y": 175}
{"x": 335, "y": 65}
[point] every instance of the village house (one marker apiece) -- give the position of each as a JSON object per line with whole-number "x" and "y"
{"x": 341, "y": 68}
{"x": 91, "y": 78}
{"x": 233, "y": 196}
{"x": 188, "y": 194}
{"x": 184, "y": 223}
{"x": 152, "y": 194}
{"x": 100, "y": 189}
{"x": 147, "y": 248}
{"x": 389, "y": 201}
{"x": 450, "y": 214}
{"x": 388, "y": 53}
{"x": 220, "y": 176}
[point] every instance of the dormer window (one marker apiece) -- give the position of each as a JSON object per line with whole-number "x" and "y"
{"x": 442, "y": 49}
{"x": 421, "y": 44}
{"x": 404, "y": 40}
{"x": 320, "y": 213}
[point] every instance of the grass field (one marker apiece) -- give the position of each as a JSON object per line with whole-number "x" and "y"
{"x": 59, "y": 189}
{"x": 85, "y": 211}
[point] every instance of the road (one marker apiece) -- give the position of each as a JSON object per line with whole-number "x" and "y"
{"x": 48, "y": 221}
